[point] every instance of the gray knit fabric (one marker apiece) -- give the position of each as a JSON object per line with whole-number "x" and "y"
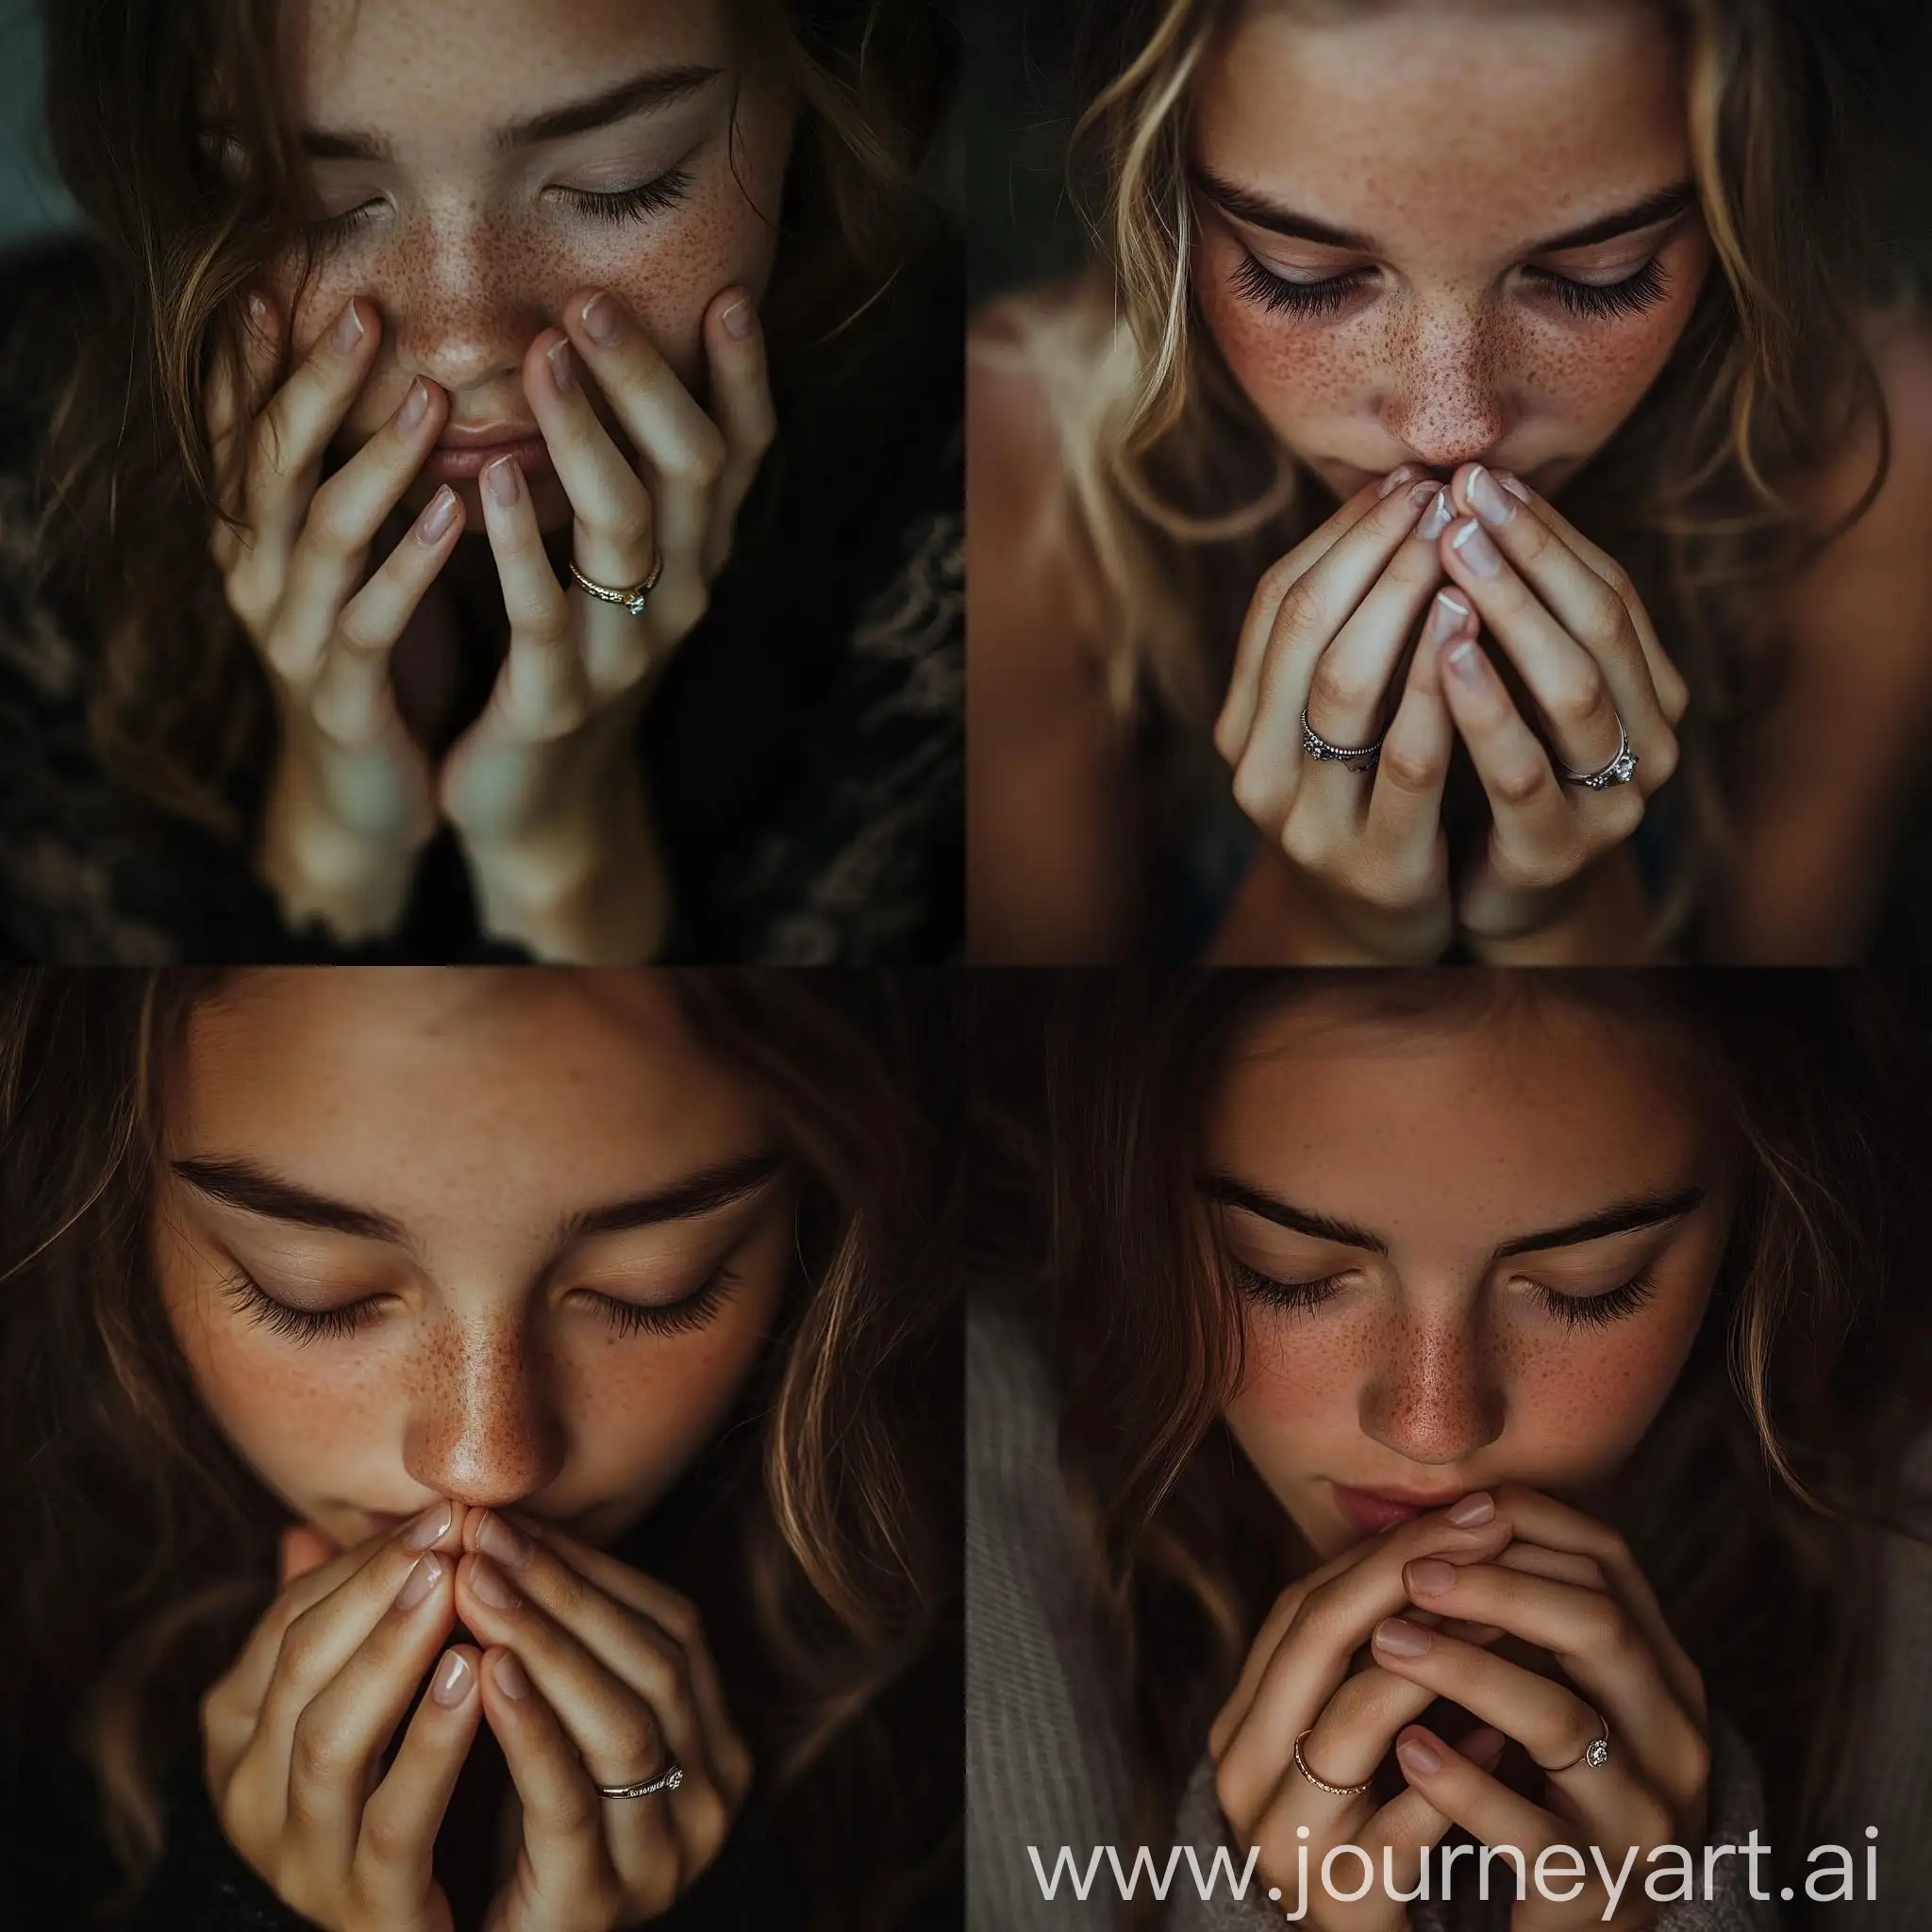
{"x": 1045, "y": 1757}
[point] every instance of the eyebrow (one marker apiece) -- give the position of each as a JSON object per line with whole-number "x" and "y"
{"x": 655, "y": 89}
{"x": 1623, "y": 1217}
{"x": 1667, "y": 203}
{"x": 254, "y": 1191}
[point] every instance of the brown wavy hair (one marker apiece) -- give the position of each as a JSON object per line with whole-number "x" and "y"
{"x": 1755, "y": 1501}
{"x": 180, "y": 713}
{"x": 1180, "y": 494}
{"x": 819, "y": 1532}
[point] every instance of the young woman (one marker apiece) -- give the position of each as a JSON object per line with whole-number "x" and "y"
{"x": 1476, "y": 505}
{"x": 475, "y": 1450}
{"x": 486, "y": 485}
{"x": 1483, "y": 1404}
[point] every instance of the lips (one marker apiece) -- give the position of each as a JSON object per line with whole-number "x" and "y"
{"x": 461, "y": 453}
{"x": 1371, "y": 1510}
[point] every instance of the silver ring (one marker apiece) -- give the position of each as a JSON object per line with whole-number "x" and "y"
{"x": 1596, "y": 1754}
{"x": 632, "y": 600}
{"x": 666, "y": 1781}
{"x": 1620, "y": 771}
{"x": 1360, "y": 757}
{"x": 1300, "y": 1764}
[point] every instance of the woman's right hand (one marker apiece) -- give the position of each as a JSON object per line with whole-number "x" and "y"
{"x": 352, "y": 801}
{"x": 1324, "y": 635}
{"x": 294, "y": 1733}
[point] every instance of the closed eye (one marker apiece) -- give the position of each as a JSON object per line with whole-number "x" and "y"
{"x": 1597, "y": 301}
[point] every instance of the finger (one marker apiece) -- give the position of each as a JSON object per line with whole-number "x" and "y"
{"x": 1408, "y": 1821}
{"x": 541, "y": 692}
{"x": 563, "y": 1817}
{"x": 1471, "y": 1797}
{"x": 237, "y": 386}
{"x": 1309, "y": 615}
{"x": 397, "y": 1842}
{"x": 1405, "y": 818}
{"x": 683, "y": 447}
{"x": 304, "y": 1548}
{"x": 353, "y": 699}
{"x": 741, "y": 403}
{"x": 1348, "y": 695}
{"x": 1526, "y": 802}
{"x": 1237, "y": 709}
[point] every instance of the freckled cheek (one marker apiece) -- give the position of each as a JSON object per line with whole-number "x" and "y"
{"x": 1594, "y": 378}
{"x": 1300, "y": 1394}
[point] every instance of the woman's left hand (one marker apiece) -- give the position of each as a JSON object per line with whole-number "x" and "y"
{"x": 595, "y": 1675}
{"x": 1571, "y": 622}
{"x": 543, "y": 788}
{"x": 1568, "y": 1585}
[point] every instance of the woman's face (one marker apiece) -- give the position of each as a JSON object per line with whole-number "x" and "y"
{"x": 493, "y": 157}
{"x": 1476, "y": 1250}
{"x": 1394, "y": 205}
{"x": 560, "y": 1227}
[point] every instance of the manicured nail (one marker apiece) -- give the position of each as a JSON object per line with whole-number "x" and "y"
{"x": 1413, "y": 1755}
{"x": 602, "y": 320}
{"x": 1473, "y": 1510}
{"x": 1436, "y": 518}
{"x": 489, "y": 1582}
{"x": 433, "y": 1524}
{"x": 1489, "y": 501}
{"x": 739, "y": 319}
{"x": 1465, "y": 664}
{"x": 418, "y": 1582}
{"x": 1448, "y": 615}
{"x": 348, "y": 330}
{"x": 562, "y": 376}
{"x": 1428, "y": 1577}
{"x": 1477, "y": 551}
{"x": 1394, "y": 480}
{"x": 505, "y": 480}
{"x": 415, "y": 407}
{"x": 1512, "y": 485}
{"x": 503, "y": 1542}
{"x": 432, "y": 528}
{"x": 1420, "y": 493}
{"x": 509, "y": 1676}
{"x": 1402, "y": 1640}
{"x": 451, "y": 1683}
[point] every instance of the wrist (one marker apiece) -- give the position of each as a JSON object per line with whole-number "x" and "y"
{"x": 322, "y": 866}
{"x": 1282, "y": 917}
{"x": 1601, "y": 917}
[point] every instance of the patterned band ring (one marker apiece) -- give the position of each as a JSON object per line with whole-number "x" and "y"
{"x": 665, "y": 1781}
{"x": 1359, "y": 757}
{"x": 633, "y": 599}
{"x": 1320, "y": 1784}
{"x": 1620, "y": 771}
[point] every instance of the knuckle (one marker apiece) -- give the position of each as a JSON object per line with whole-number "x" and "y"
{"x": 1308, "y": 843}
{"x": 1337, "y": 690}
{"x": 387, "y": 1841}
{"x": 1662, "y": 757}
{"x": 1407, "y": 771}
{"x": 1584, "y": 696}
{"x": 1299, "y": 615}
{"x": 678, "y": 1618}
{"x": 1522, "y": 784}
{"x": 1696, "y": 1767}
{"x": 1257, "y": 792}
{"x": 636, "y": 1741}
{"x": 314, "y": 1757}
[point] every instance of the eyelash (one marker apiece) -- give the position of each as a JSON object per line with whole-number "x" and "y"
{"x": 1598, "y": 301}
{"x": 621, "y": 204}
{"x": 626, "y": 1318}
{"x": 1576, "y": 1310}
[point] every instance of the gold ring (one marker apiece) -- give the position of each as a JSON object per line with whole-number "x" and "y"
{"x": 633, "y": 599}
{"x": 1321, "y": 1783}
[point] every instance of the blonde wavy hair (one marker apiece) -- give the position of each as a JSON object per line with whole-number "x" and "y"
{"x": 1177, "y": 490}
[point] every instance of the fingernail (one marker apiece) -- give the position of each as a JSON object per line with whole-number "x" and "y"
{"x": 1477, "y": 551}
{"x": 1428, "y": 1577}
{"x": 562, "y": 376}
{"x": 434, "y": 526}
{"x": 451, "y": 1683}
{"x": 489, "y": 1582}
{"x": 509, "y": 1676}
{"x": 348, "y": 330}
{"x": 1465, "y": 666}
{"x": 1413, "y": 1755}
{"x": 1394, "y": 480}
{"x": 1473, "y": 1510}
{"x": 504, "y": 480}
{"x": 1490, "y": 502}
{"x": 1448, "y": 615}
{"x": 1436, "y": 518}
{"x": 258, "y": 318}
{"x": 1402, "y": 1640}
{"x": 602, "y": 320}
{"x": 418, "y": 1582}
{"x": 1420, "y": 493}
{"x": 433, "y": 1524}
{"x": 501, "y": 1541}
{"x": 1512, "y": 485}
{"x": 739, "y": 318}
{"x": 415, "y": 407}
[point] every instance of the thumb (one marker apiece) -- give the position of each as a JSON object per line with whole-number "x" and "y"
{"x": 304, "y": 1549}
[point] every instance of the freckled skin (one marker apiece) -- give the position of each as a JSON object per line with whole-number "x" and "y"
{"x": 469, "y": 260}
{"x": 1456, "y": 138}
{"x": 478, "y": 1110}
{"x": 1436, "y": 1370}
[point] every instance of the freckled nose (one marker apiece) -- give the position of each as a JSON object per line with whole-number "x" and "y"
{"x": 1431, "y": 1398}
{"x": 1444, "y": 402}
{"x": 456, "y": 314}
{"x": 483, "y": 1427}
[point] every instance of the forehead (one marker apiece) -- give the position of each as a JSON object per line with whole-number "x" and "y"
{"x": 1470, "y": 1126}
{"x": 1481, "y": 122}
{"x": 417, "y": 1091}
